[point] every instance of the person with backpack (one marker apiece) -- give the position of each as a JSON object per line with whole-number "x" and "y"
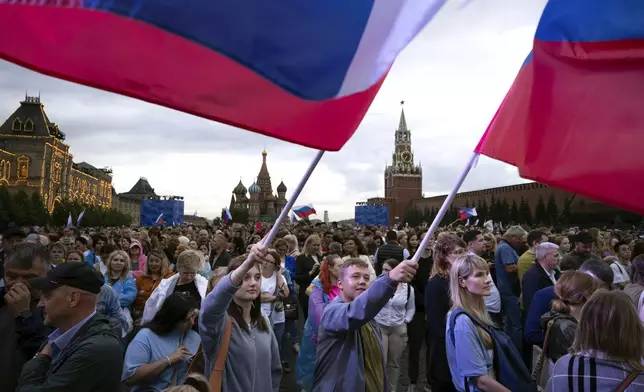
{"x": 608, "y": 348}
{"x": 480, "y": 357}
{"x": 392, "y": 321}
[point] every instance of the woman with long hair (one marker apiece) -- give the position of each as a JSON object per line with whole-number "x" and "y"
{"x": 157, "y": 356}
{"x": 118, "y": 276}
{"x": 607, "y": 351}
{"x": 470, "y": 349}
{"x": 253, "y": 360}
{"x": 274, "y": 289}
{"x": 157, "y": 268}
{"x": 307, "y": 266}
{"x": 573, "y": 290}
{"x": 447, "y": 248}
{"x": 324, "y": 290}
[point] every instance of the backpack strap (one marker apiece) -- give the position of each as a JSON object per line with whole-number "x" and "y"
{"x": 538, "y": 367}
{"x": 452, "y": 323}
{"x": 217, "y": 374}
{"x": 627, "y": 381}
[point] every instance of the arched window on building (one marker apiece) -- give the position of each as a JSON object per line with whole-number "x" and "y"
{"x": 23, "y": 167}
{"x": 6, "y": 173}
{"x": 17, "y": 124}
{"x": 29, "y": 125}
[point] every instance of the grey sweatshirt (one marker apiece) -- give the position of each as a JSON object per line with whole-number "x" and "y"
{"x": 253, "y": 362}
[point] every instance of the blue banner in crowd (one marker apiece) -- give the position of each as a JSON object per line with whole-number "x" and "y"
{"x": 372, "y": 215}
{"x": 172, "y": 211}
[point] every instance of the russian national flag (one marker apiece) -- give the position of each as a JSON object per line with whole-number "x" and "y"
{"x": 467, "y": 213}
{"x": 299, "y": 70}
{"x": 160, "y": 221}
{"x": 227, "y": 216}
{"x": 303, "y": 212}
{"x": 573, "y": 118}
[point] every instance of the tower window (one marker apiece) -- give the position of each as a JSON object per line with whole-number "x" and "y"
{"x": 17, "y": 125}
{"x": 29, "y": 125}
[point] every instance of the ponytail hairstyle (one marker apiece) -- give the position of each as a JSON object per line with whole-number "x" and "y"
{"x": 573, "y": 288}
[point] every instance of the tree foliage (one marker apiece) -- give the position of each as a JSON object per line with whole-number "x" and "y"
{"x": 20, "y": 208}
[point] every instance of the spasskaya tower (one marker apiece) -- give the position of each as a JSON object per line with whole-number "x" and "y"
{"x": 403, "y": 178}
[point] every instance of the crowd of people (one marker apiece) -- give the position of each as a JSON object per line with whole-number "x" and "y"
{"x": 214, "y": 309}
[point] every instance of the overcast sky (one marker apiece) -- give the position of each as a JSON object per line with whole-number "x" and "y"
{"x": 452, "y": 78}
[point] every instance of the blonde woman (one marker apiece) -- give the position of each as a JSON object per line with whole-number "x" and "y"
{"x": 307, "y": 266}
{"x": 608, "y": 348}
{"x": 470, "y": 349}
{"x": 157, "y": 268}
{"x": 187, "y": 280}
{"x": 117, "y": 275}
{"x": 293, "y": 246}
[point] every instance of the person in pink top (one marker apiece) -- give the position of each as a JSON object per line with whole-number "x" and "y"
{"x": 137, "y": 258}
{"x": 323, "y": 290}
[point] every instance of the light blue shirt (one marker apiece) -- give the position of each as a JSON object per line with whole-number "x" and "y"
{"x": 59, "y": 340}
{"x": 466, "y": 355}
{"x": 148, "y": 347}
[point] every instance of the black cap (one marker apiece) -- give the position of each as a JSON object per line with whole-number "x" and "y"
{"x": 81, "y": 276}
{"x": 584, "y": 237}
{"x": 14, "y": 232}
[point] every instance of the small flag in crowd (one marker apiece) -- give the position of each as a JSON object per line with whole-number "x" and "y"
{"x": 305, "y": 211}
{"x": 227, "y": 216}
{"x": 573, "y": 118}
{"x": 294, "y": 217}
{"x": 80, "y": 217}
{"x": 466, "y": 213}
{"x": 160, "y": 221}
{"x": 304, "y": 72}
{"x": 69, "y": 220}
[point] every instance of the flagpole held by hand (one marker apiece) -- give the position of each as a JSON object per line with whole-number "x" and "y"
{"x": 445, "y": 206}
{"x": 289, "y": 204}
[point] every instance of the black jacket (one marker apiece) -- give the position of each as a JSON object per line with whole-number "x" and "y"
{"x": 390, "y": 250}
{"x": 91, "y": 362}
{"x": 534, "y": 280}
{"x": 20, "y": 339}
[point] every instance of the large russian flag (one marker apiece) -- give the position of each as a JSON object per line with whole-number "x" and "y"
{"x": 304, "y": 71}
{"x": 574, "y": 118}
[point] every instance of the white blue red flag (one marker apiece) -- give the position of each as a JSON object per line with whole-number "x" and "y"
{"x": 226, "y": 215}
{"x": 573, "y": 118}
{"x": 303, "y": 71}
{"x": 160, "y": 221}
{"x": 466, "y": 213}
{"x": 305, "y": 211}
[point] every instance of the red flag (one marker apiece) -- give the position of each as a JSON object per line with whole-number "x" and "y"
{"x": 573, "y": 118}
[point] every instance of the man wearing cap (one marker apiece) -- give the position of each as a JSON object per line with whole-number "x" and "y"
{"x": 85, "y": 352}
{"x": 581, "y": 252}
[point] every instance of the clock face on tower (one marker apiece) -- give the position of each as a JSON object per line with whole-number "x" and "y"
{"x": 406, "y": 157}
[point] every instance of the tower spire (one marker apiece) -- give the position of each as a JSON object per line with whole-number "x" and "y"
{"x": 402, "y": 124}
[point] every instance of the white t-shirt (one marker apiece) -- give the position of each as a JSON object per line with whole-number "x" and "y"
{"x": 620, "y": 273}
{"x": 268, "y": 308}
